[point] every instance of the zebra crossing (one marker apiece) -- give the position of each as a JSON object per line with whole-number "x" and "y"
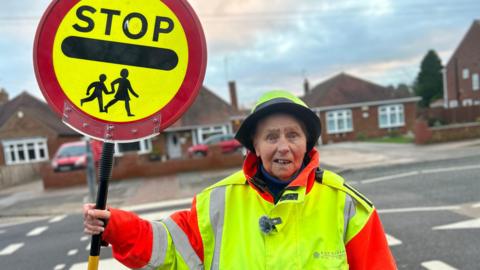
{"x": 109, "y": 263}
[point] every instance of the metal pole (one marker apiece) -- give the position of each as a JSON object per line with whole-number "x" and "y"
{"x": 105, "y": 174}
{"x": 90, "y": 173}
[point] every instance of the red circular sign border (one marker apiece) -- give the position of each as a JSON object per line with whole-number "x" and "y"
{"x": 52, "y": 91}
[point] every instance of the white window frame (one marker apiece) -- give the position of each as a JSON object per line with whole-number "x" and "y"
{"x": 207, "y": 131}
{"x": 465, "y": 73}
{"x": 145, "y": 148}
{"x": 387, "y": 111}
{"x": 336, "y": 117}
{"x": 475, "y": 82}
{"x": 453, "y": 104}
{"x": 467, "y": 102}
{"x": 13, "y": 147}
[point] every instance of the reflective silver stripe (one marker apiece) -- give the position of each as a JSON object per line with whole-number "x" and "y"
{"x": 160, "y": 245}
{"x": 182, "y": 245}
{"x": 217, "y": 213}
{"x": 348, "y": 213}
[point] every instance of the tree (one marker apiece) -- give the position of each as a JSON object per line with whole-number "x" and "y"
{"x": 429, "y": 82}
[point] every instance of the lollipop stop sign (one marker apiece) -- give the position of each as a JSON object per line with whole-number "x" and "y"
{"x": 120, "y": 71}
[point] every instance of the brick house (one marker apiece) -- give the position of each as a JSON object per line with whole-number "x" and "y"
{"x": 208, "y": 115}
{"x": 351, "y": 108}
{"x": 461, "y": 74}
{"x": 30, "y": 131}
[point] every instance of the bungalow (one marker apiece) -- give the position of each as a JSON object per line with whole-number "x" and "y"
{"x": 351, "y": 108}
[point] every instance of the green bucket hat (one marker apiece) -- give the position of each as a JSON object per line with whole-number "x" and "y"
{"x": 279, "y": 102}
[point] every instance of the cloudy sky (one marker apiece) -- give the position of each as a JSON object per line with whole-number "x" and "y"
{"x": 265, "y": 45}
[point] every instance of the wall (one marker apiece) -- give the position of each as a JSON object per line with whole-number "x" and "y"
{"x": 19, "y": 174}
{"x": 134, "y": 166}
{"x": 425, "y": 134}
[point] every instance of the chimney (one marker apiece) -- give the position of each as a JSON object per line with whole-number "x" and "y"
{"x": 306, "y": 86}
{"x": 233, "y": 95}
{"x": 3, "y": 96}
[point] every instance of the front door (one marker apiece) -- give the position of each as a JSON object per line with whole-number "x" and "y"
{"x": 174, "y": 146}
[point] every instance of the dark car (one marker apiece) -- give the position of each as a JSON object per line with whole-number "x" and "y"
{"x": 73, "y": 155}
{"x": 226, "y": 142}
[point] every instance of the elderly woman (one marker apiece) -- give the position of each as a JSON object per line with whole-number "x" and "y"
{"x": 280, "y": 212}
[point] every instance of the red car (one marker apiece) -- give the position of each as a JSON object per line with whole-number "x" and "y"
{"x": 226, "y": 142}
{"x": 73, "y": 155}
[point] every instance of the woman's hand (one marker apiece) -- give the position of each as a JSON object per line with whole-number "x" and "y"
{"x": 93, "y": 219}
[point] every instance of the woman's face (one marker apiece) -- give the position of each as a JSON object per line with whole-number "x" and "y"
{"x": 281, "y": 144}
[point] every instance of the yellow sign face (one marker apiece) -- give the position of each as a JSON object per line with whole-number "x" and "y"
{"x": 121, "y": 60}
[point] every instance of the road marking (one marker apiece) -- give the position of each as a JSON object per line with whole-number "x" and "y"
{"x": 392, "y": 241}
{"x": 428, "y": 171}
{"x": 57, "y": 219}
{"x": 11, "y": 249}
{"x": 37, "y": 231}
{"x": 2, "y": 231}
{"x": 388, "y": 177}
{"x": 452, "y": 169}
{"x": 476, "y": 205}
{"x": 59, "y": 267}
{"x": 159, "y": 215}
{"x": 419, "y": 209}
{"x": 103, "y": 264}
{"x": 467, "y": 224}
{"x": 437, "y": 265}
{"x": 84, "y": 238}
{"x": 72, "y": 252}
{"x": 88, "y": 247}
{"x": 148, "y": 206}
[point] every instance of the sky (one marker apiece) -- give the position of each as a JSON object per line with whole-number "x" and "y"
{"x": 276, "y": 44}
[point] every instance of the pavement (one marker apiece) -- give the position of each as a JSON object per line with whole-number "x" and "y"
{"x": 29, "y": 201}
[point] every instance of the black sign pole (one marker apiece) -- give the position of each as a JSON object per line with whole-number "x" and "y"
{"x": 105, "y": 175}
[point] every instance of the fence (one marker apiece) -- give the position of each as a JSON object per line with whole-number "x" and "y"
{"x": 12, "y": 175}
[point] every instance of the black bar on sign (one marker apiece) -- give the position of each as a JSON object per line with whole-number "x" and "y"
{"x": 119, "y": 53}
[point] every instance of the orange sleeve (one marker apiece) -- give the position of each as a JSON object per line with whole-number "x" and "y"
{"x": 368, "y": 250}
{"x": 130, "y": 237}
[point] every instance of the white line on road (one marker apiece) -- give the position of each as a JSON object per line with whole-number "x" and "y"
{"x": 437, "y": 265}
{"x": 57, "y": 219}
{"x": 37, "y": 231}
{"x": 88, "y": 247}
{"x": 84, "y": 238}
{"x": 147, "y": 206}
{"x": 59, "y": 267}
{"x": 392, "y": 241}
{"x": 388, "y": 177}
{"x": 11, "y": 249}
{"x": 476, "y": 205}
{"x": 429, "y": 171}
{"x": 467, "y": 224}
{"x": 72, "y": 252}
{"x": 452, "y": 169}
{"x": 418, "y": 209}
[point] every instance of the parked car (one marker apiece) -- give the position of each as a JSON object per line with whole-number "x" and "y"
{"x": 73, "y": 155}
{"x": 226, "y": 142}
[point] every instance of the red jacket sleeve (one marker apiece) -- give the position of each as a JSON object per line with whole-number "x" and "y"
{"x": 368, "y": 250}
{"x": 130, "y": 237}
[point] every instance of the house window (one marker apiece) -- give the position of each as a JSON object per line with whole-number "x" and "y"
{"x": 466, "y": 73}
{"x": 475, "y": 82}
{"x": 140, "y": 147}
{"x": 339, "y": 121}
{"x": 453, "y": 104}
{"x": 206, "y": 132}
{"x": 467, "y": 102}
{"x": 391, "y": 116}
{"x": 25, "y": 151}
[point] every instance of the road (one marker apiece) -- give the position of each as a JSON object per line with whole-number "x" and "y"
{"x": 432, "y": 211}
{"x": 431, "y": 214}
